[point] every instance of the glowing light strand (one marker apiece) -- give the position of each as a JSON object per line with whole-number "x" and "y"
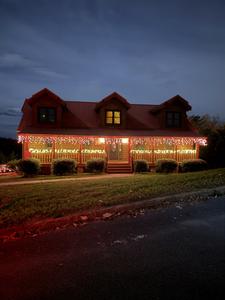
{"x": 66, "y": 151}
{"x": 133, "y": 141}
{"x": 183, "y": 151}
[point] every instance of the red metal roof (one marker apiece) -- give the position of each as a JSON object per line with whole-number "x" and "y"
{"x": 82, "y": 118}
{"x": 110, "y": 132}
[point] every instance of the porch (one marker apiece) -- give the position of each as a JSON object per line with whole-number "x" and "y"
{"x": 119, "y": 153}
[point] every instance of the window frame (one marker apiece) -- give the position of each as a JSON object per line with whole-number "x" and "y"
{"x": 113, "y": 117}
{"x": 47, "y": 109}
{"x": 175, "y": 123}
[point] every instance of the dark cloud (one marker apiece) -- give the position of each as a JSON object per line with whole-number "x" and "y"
{"x": 146, "y": 50}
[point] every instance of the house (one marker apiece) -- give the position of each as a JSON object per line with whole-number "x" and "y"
{"x": 111, "y": 128}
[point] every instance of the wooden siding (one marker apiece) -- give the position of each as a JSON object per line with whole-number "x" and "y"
{"x": 149, "y": 149}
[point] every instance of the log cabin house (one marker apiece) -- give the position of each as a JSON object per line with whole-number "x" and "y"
{"x": 112, "y": 128}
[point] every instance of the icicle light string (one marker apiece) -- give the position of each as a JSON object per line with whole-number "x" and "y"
{"x": 133, "y": 141}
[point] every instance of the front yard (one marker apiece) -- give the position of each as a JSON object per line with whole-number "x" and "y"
{"x": 22, "y": 203}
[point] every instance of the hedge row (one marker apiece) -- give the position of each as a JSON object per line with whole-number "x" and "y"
{"x": 69, "y": 166}
{"x": 31, "y": 167}
{"x": 170, "y": 165}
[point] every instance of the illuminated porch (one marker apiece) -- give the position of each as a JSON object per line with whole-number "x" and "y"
{"x": 115, "y": 150}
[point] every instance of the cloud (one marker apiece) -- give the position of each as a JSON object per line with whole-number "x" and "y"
{"x": 15, "y": 61}
{"x": 11, "y": 112}
{"x": 12, "y": 60}
{"x": 49, "y": 73}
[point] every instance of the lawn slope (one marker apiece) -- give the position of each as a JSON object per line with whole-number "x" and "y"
{"x": 22, "y": 203}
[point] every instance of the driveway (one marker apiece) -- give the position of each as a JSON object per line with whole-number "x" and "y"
{"x": 170, "y": 253}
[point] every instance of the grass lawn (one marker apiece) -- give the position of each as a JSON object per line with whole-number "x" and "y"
{"x": 40, "y": 200}
{"x": 17, "y": 178}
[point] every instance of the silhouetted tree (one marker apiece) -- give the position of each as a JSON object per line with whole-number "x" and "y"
{"x": 9, "y": 150}
{"x": 214, "y": 129}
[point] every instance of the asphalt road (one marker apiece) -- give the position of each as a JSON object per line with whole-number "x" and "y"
{"x": 173, "y": 253}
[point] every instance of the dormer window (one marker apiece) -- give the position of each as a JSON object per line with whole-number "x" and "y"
{"x": 113, "y": 117}
{"x": 46, "y": 115}
{"x": 173, "y": 119}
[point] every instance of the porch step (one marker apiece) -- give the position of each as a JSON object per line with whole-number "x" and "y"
{"x": 119, "y": 168}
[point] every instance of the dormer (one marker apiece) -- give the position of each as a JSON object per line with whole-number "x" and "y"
{"x": 172, "y": 113}
{"x": 46, "y": 109}
{"x": 112, "y": 111}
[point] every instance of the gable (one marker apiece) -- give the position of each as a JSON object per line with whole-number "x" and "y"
{"x": 113, "y": 99}
{"x": 176, "y": 102}
{"x": 45, "y": 96}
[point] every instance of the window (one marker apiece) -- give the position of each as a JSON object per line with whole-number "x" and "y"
{"x": 46, "y": 115}
{"x": 173, "y": 119}
{"x": 113, "y": 117}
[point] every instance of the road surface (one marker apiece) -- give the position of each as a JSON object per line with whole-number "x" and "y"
{"x": 171, "y": 253}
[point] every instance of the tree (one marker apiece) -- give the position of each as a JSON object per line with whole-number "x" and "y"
{"x": 9, "y": 149}
{"x": 214, "y": 129}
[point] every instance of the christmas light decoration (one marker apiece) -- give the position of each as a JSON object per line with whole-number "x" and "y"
{"x": 101, "y": 140}
{"x": 40, "y": 151}
{"x": 141, "y": 151}
{"x": 125, "y": 140}
{"x": 56, "y": 139}
{"x": 90, "y": 151}
{"x": 67, "y": 150}
{"x": 164, "y": 151}
{"x": 183, "y": 151}
{"x": 139, "y": 141}
{"x": 186, "y": 151}
{"x": 113, "y": 140}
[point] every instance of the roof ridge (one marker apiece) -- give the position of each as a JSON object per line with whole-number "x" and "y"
{"x": 81, "y": 101}
{"x": 144, "y": 104}
{"x": 95, "y": 102}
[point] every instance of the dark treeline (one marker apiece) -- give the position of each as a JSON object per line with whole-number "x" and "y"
{"x": 9, "y": 150}
{"x": 214, "y": 130}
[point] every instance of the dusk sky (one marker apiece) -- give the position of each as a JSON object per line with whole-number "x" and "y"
{"x": 147, "y": 51}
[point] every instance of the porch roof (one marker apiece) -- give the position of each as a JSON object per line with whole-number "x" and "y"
{"x": 110, "y": 132}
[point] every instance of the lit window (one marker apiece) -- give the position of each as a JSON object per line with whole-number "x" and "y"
{"x": 109, "y": 117}
{"x": 46, "y": 115}
{"x": 113, "y": 117}
{"x": 173, "y": 119}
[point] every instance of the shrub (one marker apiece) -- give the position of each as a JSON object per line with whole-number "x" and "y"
{"x": 141, "y": 165}
{"x": 13, "y": 165}
{"x": 96, "y": 165}
{"x": 29, "y": 167}
{"x": 64, "y": 167}
{"x": 193, "y": 165}
{"x": 166, "y": 165}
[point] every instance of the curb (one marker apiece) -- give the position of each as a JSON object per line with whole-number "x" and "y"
{"x": 106, "y": 213}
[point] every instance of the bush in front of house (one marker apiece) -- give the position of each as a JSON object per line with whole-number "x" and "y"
{"x": 13, "y": 165}
{"x": 141, "y": 165}
{"x": 62, "y": 167}
{"x": 193, "y": 165}
{"x": 96, "y": 165}
{"x": 166, "y": 165}
{"x": 29, "y": 167}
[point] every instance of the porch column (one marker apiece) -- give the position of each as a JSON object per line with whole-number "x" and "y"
{"x": 197, "y": 150}
{"x": 25, "y": 150}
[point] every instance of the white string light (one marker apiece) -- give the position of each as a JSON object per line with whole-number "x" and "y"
{"x": 133, "y": 140}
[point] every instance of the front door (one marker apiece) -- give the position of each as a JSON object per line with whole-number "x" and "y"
{"x": 118, "y": 152}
